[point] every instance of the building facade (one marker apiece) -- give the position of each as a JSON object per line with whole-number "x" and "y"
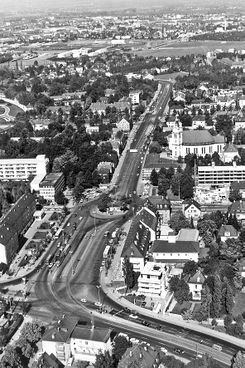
{"x": 152, "y": 279}
{"x": 51, "y": 185}
{"x": 220, "y": 175}
{"x": 22, "y": 168}
{"x": 198, "y": 142}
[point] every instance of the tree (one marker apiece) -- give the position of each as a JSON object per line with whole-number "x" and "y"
{"x": 163, "y": 185}
{"x": 173, "y": 283}
{"x": 204, "y": 312}
{"x": 231, "y": 248}
{"x": 154, "y": 178}
{"x": 190, "y": 268}
{"x": 235, "y": 195}
{"x": 175, "y": 183}
{"x": 32, "y": 332}
{"x": 228, "y": 298}
{"x": 216, "y": 297}
{"x": 104, "y": 203}
{"x": 11, "y": 358}
{"x": 239, "y": 360}
{"x": 129, "y": 274}
{"x": 120, "y": 345}
{"x": 179, "y": 221}
{"x": 186, "y": 186}
{"x": 104, "y": 361}
{"x": 60, "y": 198}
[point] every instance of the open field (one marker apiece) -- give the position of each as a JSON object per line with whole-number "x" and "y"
{"x": 193, "y": 47}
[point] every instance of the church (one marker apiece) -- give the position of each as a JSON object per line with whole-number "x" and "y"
{"x": 199, "y": 142}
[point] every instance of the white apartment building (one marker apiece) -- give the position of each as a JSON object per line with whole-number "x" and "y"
{"x": 135, "y": 97}
{"x": 152, "y": 279}
{"x": 23, "y": 168}
{"x": 220, "y": 175}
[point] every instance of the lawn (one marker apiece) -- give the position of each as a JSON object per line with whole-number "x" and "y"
{"x": 180, "y": 308}
{"x": 239, "y": 305}
{"x": 14, "y": 110}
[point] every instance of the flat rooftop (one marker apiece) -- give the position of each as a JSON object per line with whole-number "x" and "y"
{"x": 51, "y": 179}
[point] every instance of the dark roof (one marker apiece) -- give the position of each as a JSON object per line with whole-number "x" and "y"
{"x": 228, "y": 229}
{"x": 156, "y": 201}
{"x": 190, "y": 202}
{"x": 237, "y": 207}
{"x": 137, "y": 242}
{"x": 200, "y": 137}
{"x": 238, "y": 185}
{"x": 153, "y": 160}
{"x": 148, "y": 218}
{"x": 199, "y": 118}
{"x": 88, "y": 333}
{"x": 51, "y": 179}
{"x": 198, "y": 278}
{"x": 142, "y": 355}
{"x": 60, "y": 330}
{"x": 49, "y": 361}
{"x": 163, "y": 246}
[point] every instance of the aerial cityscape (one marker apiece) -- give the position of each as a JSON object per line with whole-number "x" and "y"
{"x": 122, "y": 172}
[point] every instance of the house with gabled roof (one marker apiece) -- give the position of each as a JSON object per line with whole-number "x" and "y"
{"x": 149, "y": 220}
{"x": 191, "y": 209}
{"x": 228, "y": 232}
{"x": 195, "y": 283}
{"x": 160, "y": 206}
{"x": 229, "y": 153}
{"x": 123, "y": 125}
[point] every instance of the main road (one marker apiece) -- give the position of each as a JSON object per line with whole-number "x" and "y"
{"x": 73, "y": 288}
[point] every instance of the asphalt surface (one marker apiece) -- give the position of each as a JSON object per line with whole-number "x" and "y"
{"x": 72, "y": 287}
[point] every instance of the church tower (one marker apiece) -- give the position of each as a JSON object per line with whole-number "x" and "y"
{"x": 177, "y": 140}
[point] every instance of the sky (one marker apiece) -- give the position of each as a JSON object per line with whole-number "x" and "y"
{"x": 18, "y": 5}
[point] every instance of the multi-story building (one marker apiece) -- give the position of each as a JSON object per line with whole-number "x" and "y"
{"x": 51, "y": 185}
{"x": 220, "y": 175}
{"x": 67, "y": 339}
{"x": 152, "y": 279}
{"x": 135, "y": 97}
{"x": 13, "y": 224}
{"x": 23, "y": 168}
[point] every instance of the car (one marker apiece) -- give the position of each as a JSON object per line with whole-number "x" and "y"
{"x": 84, "y": 300}
{"x": 179, "y": 351}
{"x": 98, "y": 304}
{"x": 164, "y": 350}
{"x": 133, "y": 316}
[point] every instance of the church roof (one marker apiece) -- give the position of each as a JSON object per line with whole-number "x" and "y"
{"x": 200, "y": 137}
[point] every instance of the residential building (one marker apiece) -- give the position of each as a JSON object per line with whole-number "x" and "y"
{"x": 239, "y": 123}
{"x": 142, "y": 356}
{"x": 56, "y": 339}
{"x": 105, "y": 171}
{"x": 161, "y": 206}
{"x": 198, "y": 142}
{"x": 135, "y": 97}
{"x": 239, "y": 186}
{"x": 51, "y": 185}
{"x": 191, "y": 209}
{"x": 195, "y": 284}
{"x": 238, "y": 208}
{"x": 178, "y": 248}
{"x": 48, "y": 361}
{"x": 228, "y": 232}
{"x": 13, "y": 224}
{"x": 229, "y": 153}
{"x": 142, "y": 230}
{"x": 220, "y": 175}
{"x": 86, "y": 342}
{"x": 241, "y": 102}
{"x": 23, "y": 168}
{"x": 123, "y": 125}
{"x": 153, "y": 279}
{"x": 199, "y": 121}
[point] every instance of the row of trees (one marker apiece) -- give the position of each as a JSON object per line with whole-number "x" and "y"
{"x": 180, "y": 182}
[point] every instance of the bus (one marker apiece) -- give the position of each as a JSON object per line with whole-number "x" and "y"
{"x": 58, "y": 233}
{"x": 217, "y": 347}
{"x": 106, "y": 251}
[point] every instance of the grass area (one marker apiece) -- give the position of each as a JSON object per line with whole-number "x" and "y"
{"x": 2, "y": 110}
{"x": 239, "y": 305}
{"x": 192, "y": 47}
{"x": 180, "y": 308}
{"x": 14, "y": 110}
